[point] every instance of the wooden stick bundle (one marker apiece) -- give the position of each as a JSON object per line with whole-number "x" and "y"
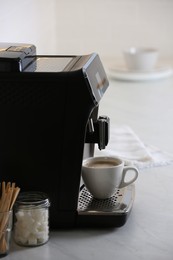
{"x": 9, "y": 193}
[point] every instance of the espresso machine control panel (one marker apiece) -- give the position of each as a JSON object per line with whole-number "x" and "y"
{"x": 97, "y": 81}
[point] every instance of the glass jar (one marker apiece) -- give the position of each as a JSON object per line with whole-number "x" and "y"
{"x": 31, "y": 218}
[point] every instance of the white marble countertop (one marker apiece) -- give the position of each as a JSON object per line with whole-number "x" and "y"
{"x": 147, "y": 107}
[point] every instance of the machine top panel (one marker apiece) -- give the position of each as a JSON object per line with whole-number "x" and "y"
{"x": 47, "y": 64}
{"x": 22, "y": 58}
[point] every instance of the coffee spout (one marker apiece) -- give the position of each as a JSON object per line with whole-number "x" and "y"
{"x": 103, "y": 124}
{"x": 98, "y": 131}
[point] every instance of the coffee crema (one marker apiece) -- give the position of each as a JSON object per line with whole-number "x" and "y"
{"x": 101, "y": 164}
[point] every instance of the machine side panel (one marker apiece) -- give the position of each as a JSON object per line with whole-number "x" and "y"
{"x": 42, "y": 136}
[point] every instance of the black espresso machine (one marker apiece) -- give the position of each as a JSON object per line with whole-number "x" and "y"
{"x": 49, "y": 123}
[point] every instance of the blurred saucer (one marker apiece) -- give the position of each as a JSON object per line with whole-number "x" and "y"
{"x": 122, "y": 73}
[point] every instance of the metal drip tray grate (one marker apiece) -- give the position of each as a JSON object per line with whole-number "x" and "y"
{"x": 119, "y": 203}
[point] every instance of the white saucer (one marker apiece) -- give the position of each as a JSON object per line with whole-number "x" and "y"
{"x": 122, "y": 73}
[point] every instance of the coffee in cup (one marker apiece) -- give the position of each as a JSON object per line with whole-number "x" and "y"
{"x": 102, "y": 175}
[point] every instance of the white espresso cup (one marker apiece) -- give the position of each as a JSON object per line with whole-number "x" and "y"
{"x": 102, "y": 175}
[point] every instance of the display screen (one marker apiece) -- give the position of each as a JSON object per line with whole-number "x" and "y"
{"x": 49, "y": 64}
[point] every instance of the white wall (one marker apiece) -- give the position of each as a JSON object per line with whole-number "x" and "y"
{"x": 80, "y": 26}
{"x": 28, "y": 21}
{"x": 109, "y": 26}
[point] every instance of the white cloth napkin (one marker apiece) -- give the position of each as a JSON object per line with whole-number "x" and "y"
{"x": 125, "y": 144}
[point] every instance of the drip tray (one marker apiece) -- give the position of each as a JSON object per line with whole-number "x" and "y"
{"x": 108, "y": 212}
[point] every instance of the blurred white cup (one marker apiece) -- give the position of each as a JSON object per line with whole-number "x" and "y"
{"x": 140, "y": 59}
